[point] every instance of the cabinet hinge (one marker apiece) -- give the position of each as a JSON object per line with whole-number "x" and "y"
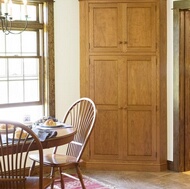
{"x": 156, "y": 154}
{"x": 156, "y": 108}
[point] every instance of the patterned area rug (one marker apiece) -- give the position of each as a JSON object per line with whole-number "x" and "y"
{"x": 89, "y": 183}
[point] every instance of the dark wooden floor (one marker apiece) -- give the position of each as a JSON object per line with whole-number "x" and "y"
{"x": 142, "y": 180}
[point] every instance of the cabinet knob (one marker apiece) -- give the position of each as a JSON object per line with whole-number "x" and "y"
{"x": 120, "y": 42}
{"x": 125, "y": 42}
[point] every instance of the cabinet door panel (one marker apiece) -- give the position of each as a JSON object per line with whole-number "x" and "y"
{"x": 140, "y": 26}
{"x": 140, "y": 73}
{"x": 105, "y": 27}
{"x": 106, "y": 132}
{"x": 139, "y": 116}
{"x": 139, "y": 128}
{"x": 104, "y": 83}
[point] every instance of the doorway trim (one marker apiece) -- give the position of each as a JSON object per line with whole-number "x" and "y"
{"x": 178, "y": 91}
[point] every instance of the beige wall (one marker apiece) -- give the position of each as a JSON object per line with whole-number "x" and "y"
{"x": 67, "y": 60}
{"x": 66, "y": 54}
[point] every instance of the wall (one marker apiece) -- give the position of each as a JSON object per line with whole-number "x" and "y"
{"x": 67, "y": 60}
{"x": 66, "y": 54}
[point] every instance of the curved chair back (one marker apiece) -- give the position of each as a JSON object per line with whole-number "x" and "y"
{"x": 16, "y": 140}
{"x": 81, "y": 115}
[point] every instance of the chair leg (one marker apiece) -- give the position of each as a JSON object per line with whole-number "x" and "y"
{"x": 31, "y": 170}
{"x": 80, "y": 176}
{"x": 61, "y": 179}
{"x": 52, "y": 175}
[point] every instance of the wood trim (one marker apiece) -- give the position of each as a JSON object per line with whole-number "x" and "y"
{"x": 83, "y": 49}
{"x": 124, "y": 166}
{"x": 176, "y": 150}
{"x": 50, "y": 62}
{"x": 185, "y": 4}
{"x": 178, "y": 87}
{"x": 163, "y": 81}
{"x": 170, "y": 165}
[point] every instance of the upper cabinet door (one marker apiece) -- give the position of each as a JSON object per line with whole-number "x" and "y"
{"x": 105, "y": 27}
{"x": 139, "y": 26}
{"x": 122, "y": 27}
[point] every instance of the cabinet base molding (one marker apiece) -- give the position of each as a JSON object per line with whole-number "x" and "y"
{"x": 122, "y": 166}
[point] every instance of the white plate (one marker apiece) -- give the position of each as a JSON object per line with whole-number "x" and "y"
{"x": 58, "y": 124}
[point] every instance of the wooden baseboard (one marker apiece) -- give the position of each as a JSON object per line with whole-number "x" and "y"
{"x": 119, "y": 167}
{"x": 123, "y": 166}
{"x": 170, "y": 165}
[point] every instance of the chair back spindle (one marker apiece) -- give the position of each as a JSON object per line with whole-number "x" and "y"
{"x": 81, "y": 115}
{"x": 14, "y": 150}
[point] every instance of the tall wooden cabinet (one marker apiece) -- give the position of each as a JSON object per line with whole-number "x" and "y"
{"x": 123, "y": 70}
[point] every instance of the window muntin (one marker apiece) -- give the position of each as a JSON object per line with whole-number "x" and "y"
{"x": 18, "y": 11}
{"x": 25, "y": 44}
{"x": 19, "y": 80}
{"x": 21, "y": 62}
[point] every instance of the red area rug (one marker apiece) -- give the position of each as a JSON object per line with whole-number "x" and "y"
{"x": 89, "y": 183}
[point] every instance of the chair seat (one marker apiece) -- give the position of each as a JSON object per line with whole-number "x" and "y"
{"x": 56, "y": 160}
{"x": 33, "y": 182}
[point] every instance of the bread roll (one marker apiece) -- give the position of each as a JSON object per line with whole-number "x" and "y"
{"x": 50, "y": 122}
{"x": 3, "y": 126}
{"x": 18, "y": 133}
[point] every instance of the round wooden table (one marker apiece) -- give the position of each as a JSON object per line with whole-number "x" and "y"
{"x": 64, "y": 136}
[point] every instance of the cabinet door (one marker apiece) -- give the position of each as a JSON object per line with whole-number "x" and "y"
{"x": 105, "y": 27}
{"x": 105, "y": 76}
{"x": 139, "y": 110}
{"x": 139, "y": 26}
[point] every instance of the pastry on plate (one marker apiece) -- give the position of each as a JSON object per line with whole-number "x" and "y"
{"x": 3, "y": 126}
{"x": 18, "y": 133}
{"x": 50, "y": 122}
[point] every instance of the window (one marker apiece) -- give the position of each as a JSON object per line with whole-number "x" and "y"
{"x": 22, "y": 58}
{"x": 27, "y": 63}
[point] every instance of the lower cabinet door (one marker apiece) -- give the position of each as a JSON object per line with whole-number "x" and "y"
{"x": 124, "y": 91}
